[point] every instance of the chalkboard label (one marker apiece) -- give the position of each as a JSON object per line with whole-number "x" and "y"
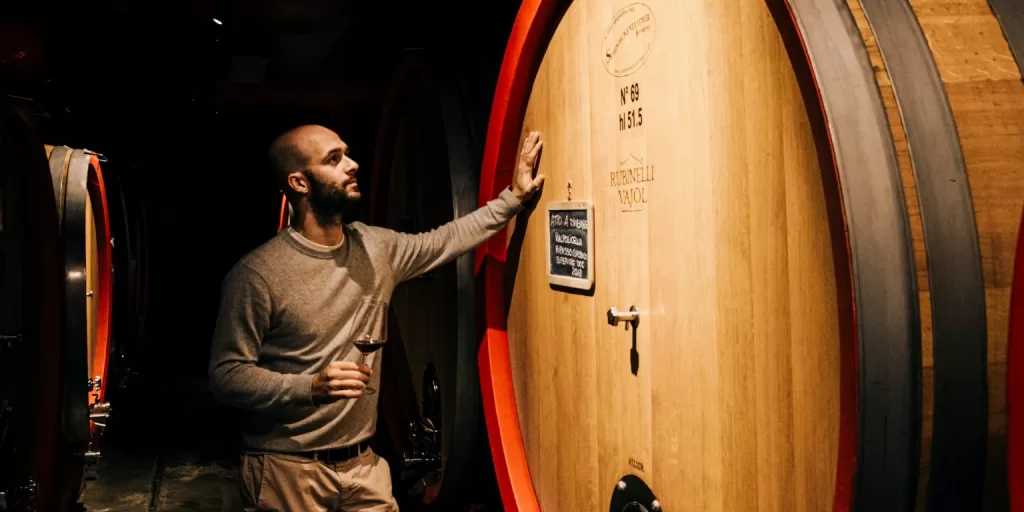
{"x": 571, "y": 244}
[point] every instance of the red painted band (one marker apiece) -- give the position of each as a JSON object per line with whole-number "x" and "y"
{"x": 522, "y": 58}
{"x": 282, "y": 218}
{"x": 1015, "y": 380}
{"x": 507, "y": 450}
{"x": 97, "y": 190}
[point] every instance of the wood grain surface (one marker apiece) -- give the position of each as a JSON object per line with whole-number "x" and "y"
{"x": 710, "y": 218}
{"x": 92, "y": 283}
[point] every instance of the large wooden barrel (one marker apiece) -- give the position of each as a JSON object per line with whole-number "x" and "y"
{"x": 425, "y": 173}
{"x": 82, "y": 205}
{"x": 37, "y": 471}
{"x": 814, "y": 219}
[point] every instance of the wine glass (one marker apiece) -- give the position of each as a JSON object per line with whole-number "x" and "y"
{"x": 371, "y": 330}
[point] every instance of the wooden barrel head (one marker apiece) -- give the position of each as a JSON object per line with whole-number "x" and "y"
{"x": 92, "y": 284}
{"x": 99, "y": 249}
{"x": 685, "y": 127}
{"x": 911, "y": 113}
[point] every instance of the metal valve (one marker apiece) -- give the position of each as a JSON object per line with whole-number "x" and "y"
{"x": 615, "y": 316}
{"x": 99, "y": 414}
{"x": 10, "y": 341}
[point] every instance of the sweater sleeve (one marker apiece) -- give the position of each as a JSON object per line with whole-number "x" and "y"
{"x": 235, "y": 375}
{"x": 416, "y": 254}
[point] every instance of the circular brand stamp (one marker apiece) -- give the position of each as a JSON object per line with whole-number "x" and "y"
{"x": 628, "y": 40}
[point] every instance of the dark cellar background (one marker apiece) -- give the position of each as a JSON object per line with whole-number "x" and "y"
{"x": 184, "y": 108}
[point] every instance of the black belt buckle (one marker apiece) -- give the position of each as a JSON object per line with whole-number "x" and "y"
{"x": 340, "y": 454}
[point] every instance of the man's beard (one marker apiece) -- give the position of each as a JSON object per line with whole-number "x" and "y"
{"x": 329, "y": 202}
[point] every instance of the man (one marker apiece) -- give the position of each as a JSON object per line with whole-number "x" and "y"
{"x": 281, "y": 349}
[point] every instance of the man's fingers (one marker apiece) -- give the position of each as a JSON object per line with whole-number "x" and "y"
{"x": 337, "y": 368}
{"x": 349, "y": 375}
{"x": 537, "y": 182}
{"x": 531, "y": 142}
{"x": 536, "y": 149}
{"x": 346, "y": 375}
{"x": 347, "y": 393}
{"x": 341, "y": 384}
{"x": 342, "y": 365}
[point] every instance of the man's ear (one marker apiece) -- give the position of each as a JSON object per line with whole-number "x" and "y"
{"x": 298, "y": 182}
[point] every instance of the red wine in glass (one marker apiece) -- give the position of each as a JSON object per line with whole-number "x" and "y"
{"x": 369, "y": 346}
{"x": 371, "y": 330}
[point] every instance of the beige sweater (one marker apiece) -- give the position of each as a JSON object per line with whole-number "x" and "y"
{"x": 285, "y": 313}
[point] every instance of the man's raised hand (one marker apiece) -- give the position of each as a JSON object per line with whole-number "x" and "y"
{"x": 524, "y": 183}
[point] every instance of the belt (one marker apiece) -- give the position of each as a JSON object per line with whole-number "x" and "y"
{"x": 336, "y": 454}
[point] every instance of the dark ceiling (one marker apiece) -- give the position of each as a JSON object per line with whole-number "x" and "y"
{"x": 130, "y": 61}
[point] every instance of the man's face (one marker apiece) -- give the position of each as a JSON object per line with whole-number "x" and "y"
{"x": 333, "y": 189}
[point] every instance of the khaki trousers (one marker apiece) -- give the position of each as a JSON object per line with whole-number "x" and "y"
{"x": 289, "y": 483}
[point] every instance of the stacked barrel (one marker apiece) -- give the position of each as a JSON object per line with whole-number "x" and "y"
{"x": 84, "y": 216}
{"x": 58, "y": 323}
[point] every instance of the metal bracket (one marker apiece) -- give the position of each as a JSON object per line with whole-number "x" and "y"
{"x": 19, "y": 498}
{"x": 632, "y": 494}
{"x": 92, "y": 458}
{"x": 99, "y": 156}
{"x": 9, "y": 340}
{"x": 422, "y": 462}
{"x": 99, "y": 414}
{"x": 615, "y": 316}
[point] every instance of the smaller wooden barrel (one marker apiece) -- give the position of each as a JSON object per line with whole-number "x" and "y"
{"x": 81, "y": 196}
{"x": 36, "y": 469}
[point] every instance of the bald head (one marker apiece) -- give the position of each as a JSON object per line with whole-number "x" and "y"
{"x": 311, "y": 163}
{"x": 292, "y": 152}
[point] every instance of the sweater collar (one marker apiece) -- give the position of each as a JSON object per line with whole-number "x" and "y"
{"x": 306, "y": 246}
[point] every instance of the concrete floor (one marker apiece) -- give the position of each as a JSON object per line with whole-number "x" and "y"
{"x": 168, "y": 448}
{"x": 176, "y": 483}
